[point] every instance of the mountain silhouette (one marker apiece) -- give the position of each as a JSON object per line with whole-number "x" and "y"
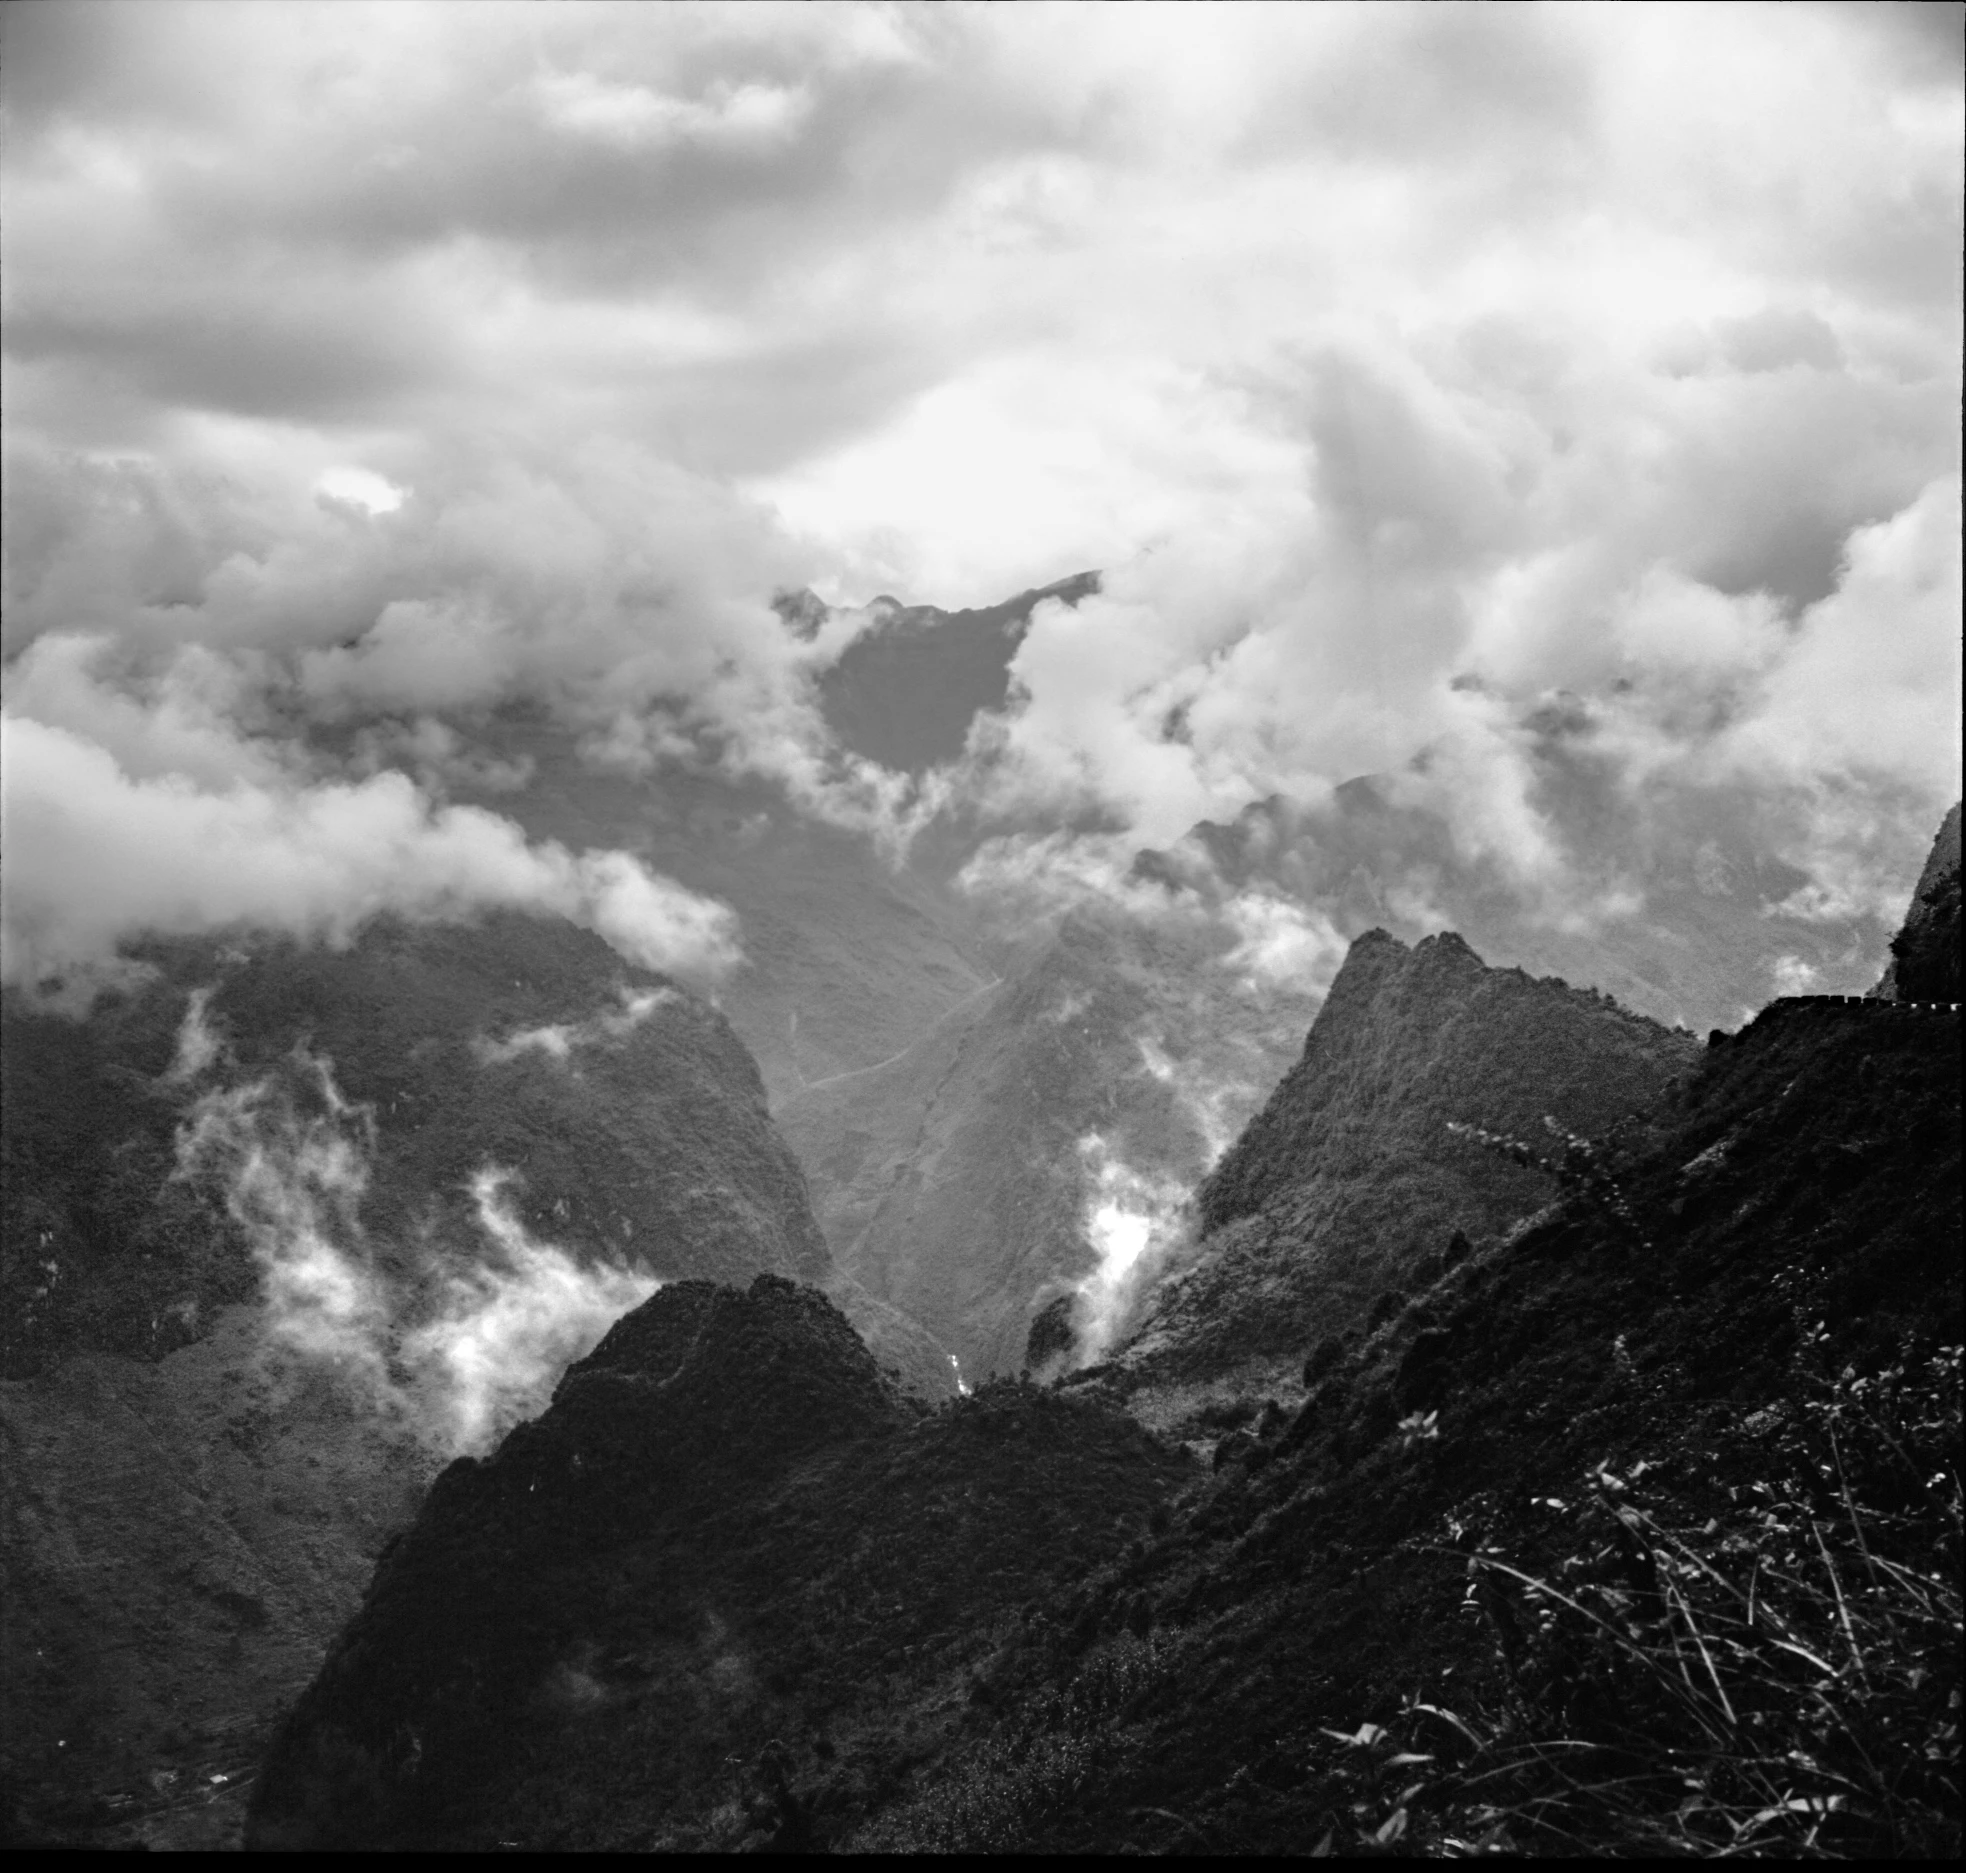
{"x": 1350, "y": 1184}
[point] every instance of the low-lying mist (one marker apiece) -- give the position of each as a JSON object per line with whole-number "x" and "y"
{"x": 450, "y": 1341}
{"x": 1135, "y": 1222}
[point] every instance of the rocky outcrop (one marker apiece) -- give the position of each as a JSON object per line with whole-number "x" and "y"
{"x": 1925, "y": 954}
{"x": 1350, "y": 1181}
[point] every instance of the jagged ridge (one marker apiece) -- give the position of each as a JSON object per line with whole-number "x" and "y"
{"x": 1349, "y": 1178}
{"x": 728, "y": 1528}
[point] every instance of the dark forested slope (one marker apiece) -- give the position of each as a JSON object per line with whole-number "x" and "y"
{"x": 1796, "y": 1268}
{"x": 512, "y": 1042}
{"x": 283, "y": 1229}
{"x": 1350, "y": 1183}
{"x": 728, "y": 1555}
{"x": 1636, "y": 1530}
{"x": 730, "y": 1591}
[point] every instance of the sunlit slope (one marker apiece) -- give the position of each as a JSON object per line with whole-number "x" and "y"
{"x": 963, "y": 1181}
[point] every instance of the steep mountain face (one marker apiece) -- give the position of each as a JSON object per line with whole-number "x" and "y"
{"x": 732, "y": 1591}
{"x": 1799, "y": 1271}
{"x": 847, "y": 960}
{"x": 285, "y": 1229}
{"x": 1925, "y": 954}
{"x": 630, "y": 1109}
{"x": 1349, "y": 1185}
{"x": 1743, "y": 1322}
{"x": 1040, "y": 1132}
{"x": 730, "y": 1541}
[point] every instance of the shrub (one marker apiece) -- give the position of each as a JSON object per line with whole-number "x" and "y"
{"x": 996, "y": 1796}
{"x": 1780, "y": 1677}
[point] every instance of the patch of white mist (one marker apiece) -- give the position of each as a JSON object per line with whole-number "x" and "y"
{"x": 292, "y": 1155}
{"x": 454, "y": 1343}
{"x": 508, "y": 1328}
{"x": 1217, "y": 1109}
{"x": 199, "y": 1043}
{"x": 1282, "y": 943}
{"x": 557, "y": 1040}
{"x": 1134, "y": 1222}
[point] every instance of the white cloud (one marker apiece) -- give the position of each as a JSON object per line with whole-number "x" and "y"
{"x": 1283, "y": 942}
{"x": 508, "y": 1326}
{"x": 636, "y": 117}
{"x": 1363, "y": 348}
{"x": 96, "y": 857}
{"x": 455, "y": 1351}
{"x": 558, "y": 1040}
{"x": 373, "y": 493}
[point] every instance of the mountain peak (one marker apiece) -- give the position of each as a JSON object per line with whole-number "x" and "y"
{"x": 1349, "y": 1178}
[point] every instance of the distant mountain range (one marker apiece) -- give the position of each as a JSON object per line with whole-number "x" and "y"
{"x": 906, "y": 691}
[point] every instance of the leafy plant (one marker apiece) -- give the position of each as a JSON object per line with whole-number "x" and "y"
{"x": 995, "y": 1796}
{"x": 1779, "y": 1676}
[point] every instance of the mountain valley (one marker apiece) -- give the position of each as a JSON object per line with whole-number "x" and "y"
{"x": 1061, "y": 1267}
{"x": 576, "y": 1638}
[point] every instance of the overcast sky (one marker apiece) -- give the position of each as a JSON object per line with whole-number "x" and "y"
{"x": 1400, "y": 367}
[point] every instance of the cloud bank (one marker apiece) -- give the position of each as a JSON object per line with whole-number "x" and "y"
{"x": 1418, "y": 376}
{"x": 96, "y": 857}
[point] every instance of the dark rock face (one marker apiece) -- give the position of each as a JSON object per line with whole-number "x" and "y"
{"x": 728, "y": 1531}
{"x": 1341, "y": 1190}
{"x": 1925, "y": 954}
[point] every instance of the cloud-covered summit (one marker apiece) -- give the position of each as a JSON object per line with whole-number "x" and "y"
{"x": 1409, "y": 373}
